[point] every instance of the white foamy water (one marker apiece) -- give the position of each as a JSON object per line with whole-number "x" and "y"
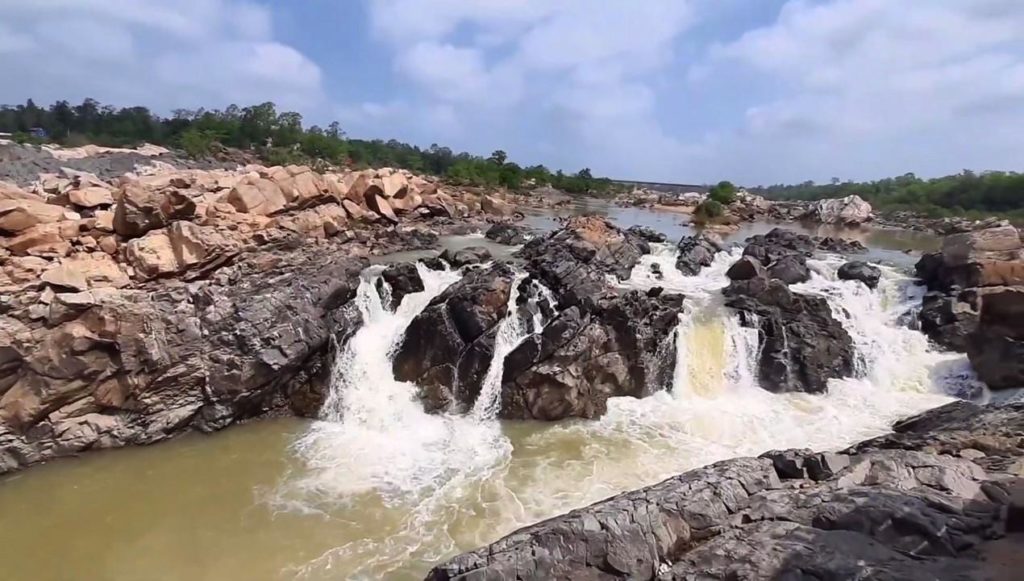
{"x": 417, "y": 487}
{"x": 511, "y": 333}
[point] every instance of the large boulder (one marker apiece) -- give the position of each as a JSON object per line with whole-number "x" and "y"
{"x": 646, "y": 233}
{"x": 459, "y": 257}
{"x": 696, "y": 252}
{"x": 851, "y": 210}
{"x": 620, "y": 347}
{"x": 802, "y": 345}
{"x": 949, "y": 320}
{"x": 862, "y": 271}
{"x": 996, "y": 347}
{"x": 919, "y": 504}
{"x": 790, "y": 269}
{"x": 496, "y": 207}
{"x": 91, "y": 197}
{"x": 173, "y": 250}
{"x": 86, "y": 271}
{"x": 402, "y": 279}
{"x": 505, "y": 233}
{"x": 18, "y": 215}
{"x": 448, "y": 347}
{"x": 140, "y": 209}
{"x": 258, "y": 196}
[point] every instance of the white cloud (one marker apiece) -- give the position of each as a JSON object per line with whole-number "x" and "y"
{"x": 507, "y": 73}
{"x": 871, "y": 87}
{"x": 189, "y": 53}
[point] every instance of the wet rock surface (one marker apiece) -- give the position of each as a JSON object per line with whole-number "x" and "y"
{"x": 696, "y": 252}
{"x": 861, "y": 271}
{"x": 977, "y": 300}
{"x": 509, "y": 234}
{"x": 920, "y": 503}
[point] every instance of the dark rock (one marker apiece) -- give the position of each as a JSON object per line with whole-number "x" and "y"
{"x": 996, "y": 346}
{"x": 618, "y": 348}
{"x": 790, "y": 269}
{"x": 464, "y": 256}
{"x": 696, "y": 252}
{"x": 646, "y": 233}
{"x": 883, "y": 507}
{"x": 840, "y": 245}
{"x": 505, "y": 233}
{"x": 746, "y": 268}
{"x": 403, "y": 279}
{"x": 862, "y": 271}
{"x": 802, "y": 344}
{"x": 574, "y": 260}
{"x": 949, "y": 320}
{"x": 788, "y": 464}
{"x": 656, "y": 271}
{"x": 451, "y": 342}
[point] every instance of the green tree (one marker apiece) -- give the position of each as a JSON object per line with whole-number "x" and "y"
{"x": 723, "y": 192}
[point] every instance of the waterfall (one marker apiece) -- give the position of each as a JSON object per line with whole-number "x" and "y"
{"x": 511, "y": 333}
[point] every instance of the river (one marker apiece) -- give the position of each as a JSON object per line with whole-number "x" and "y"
{"x": 381, "y": 490}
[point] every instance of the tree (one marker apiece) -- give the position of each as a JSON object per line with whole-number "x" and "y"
{"x": 723, "y": 192}
{"x": 498, "y": 157}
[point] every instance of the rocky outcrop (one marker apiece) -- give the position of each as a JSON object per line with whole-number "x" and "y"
{"x": 509, "y": 234}
{"x": 922, "y": 503}
{"x": 102, "y": 367}
{"x": 620, "y": 347}
{"x": 646, "y": 233}
{"x": 448, "y": 347}
{"x": 862, "y": 271}
{"x": 975, "y": 303}
{"x": 575, "y": 260}
{"x": 696, "y": 252}
{"x": 802, "y": 345}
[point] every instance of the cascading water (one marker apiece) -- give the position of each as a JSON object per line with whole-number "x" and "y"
{"x": 413, "y": 488}
{"x": 511, "y": 333}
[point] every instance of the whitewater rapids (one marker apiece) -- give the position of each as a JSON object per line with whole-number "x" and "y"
{"x": 417, "y": 488}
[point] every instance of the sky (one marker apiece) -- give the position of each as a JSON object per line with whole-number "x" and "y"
{"x": 692, "y": 91}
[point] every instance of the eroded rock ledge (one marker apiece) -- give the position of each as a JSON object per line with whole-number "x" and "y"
{"x": 924, "y": 502}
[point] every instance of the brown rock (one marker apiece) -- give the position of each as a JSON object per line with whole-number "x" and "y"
{"x": 152, "y": 255}
{"x": 104, "y": 221}
{"x": 961, "y": 248}
{"x": 108, "y": 244}
{"x": 91, "y": 197}
{"x": 86, "y": 271}
{"x": 19, "y": 270}
{"x": 263, "y": 197}
{"x": 138, "y": 211}
{"x": 357, "y": 212}
{"x": 393, "y": 185}
{"x": 21, "y": 214}
{"x": 9, "y": 191}
{"x": 40, "y": 240}
{"x": 380, "y": 205}
{"x": 496, "y": 207}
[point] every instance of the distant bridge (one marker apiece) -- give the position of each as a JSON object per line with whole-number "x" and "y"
{"x": 665, "y": 187}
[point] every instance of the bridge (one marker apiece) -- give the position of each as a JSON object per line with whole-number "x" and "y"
{"x": 665, "y": 187}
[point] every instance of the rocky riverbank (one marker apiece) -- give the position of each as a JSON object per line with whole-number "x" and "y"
{"x": 941, "y": 497}
{"x": 138, "y": 307}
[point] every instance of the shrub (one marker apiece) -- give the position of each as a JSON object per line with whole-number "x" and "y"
{"x": 708, "y": 211}
{"x": 723, "y": 192}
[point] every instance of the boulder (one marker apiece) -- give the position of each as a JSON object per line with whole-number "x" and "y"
{"x": 82, "y": 272}
{"x": 91, "y": 197}
{"x": 618, "y": 347}
{"x": 140, "y": 210}
{"x": 962, "y": 248}
{"x": 862, "y": 271}
{"x": 379, "y": 204}
{"x": 464, "y": 256}
{"x": 746, "y": 268}
{"x": 394, "y": 185}
{"x": 39, "y": 240}
{"x": 9, "y": 191}
{"x": 402, "y": 279}
{"x": 18, "y": 215}
{"x": 646, "y": 233}
{"x": 790, "y": 269}
{"x": 260, "y": 196}
{"x": 996, "y": 346}
{"x": 505, "y": 233}
{"x": 802, "y": 345}
{"x": 181, "y": 246}
{"x": 851, "y": 210}
{"x": 949, "y": 320}
{"x": 441, "y": 204}
{"x": 496, "y": 207}
{"x": 448, "y": 347}
{"x": 890, "y": 508}
{"x": 696, "y": 252}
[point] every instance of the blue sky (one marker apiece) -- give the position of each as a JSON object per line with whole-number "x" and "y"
{"x": 757, "y": 91}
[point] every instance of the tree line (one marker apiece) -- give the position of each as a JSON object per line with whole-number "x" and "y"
{"x": 278, "y": 138}
{"x": 967, "y": 193}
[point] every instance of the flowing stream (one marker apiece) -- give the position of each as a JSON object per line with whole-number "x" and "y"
{"x": 379, "y": 489}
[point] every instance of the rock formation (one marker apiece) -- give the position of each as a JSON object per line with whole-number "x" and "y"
{"x": 923, "y": 503}
{"x": 976, "y": 301}
{"x": 696, "y": 252}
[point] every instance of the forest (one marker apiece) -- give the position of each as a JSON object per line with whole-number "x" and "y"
{"x": 964, "y": 194}
{"x": 277, "y": 137}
